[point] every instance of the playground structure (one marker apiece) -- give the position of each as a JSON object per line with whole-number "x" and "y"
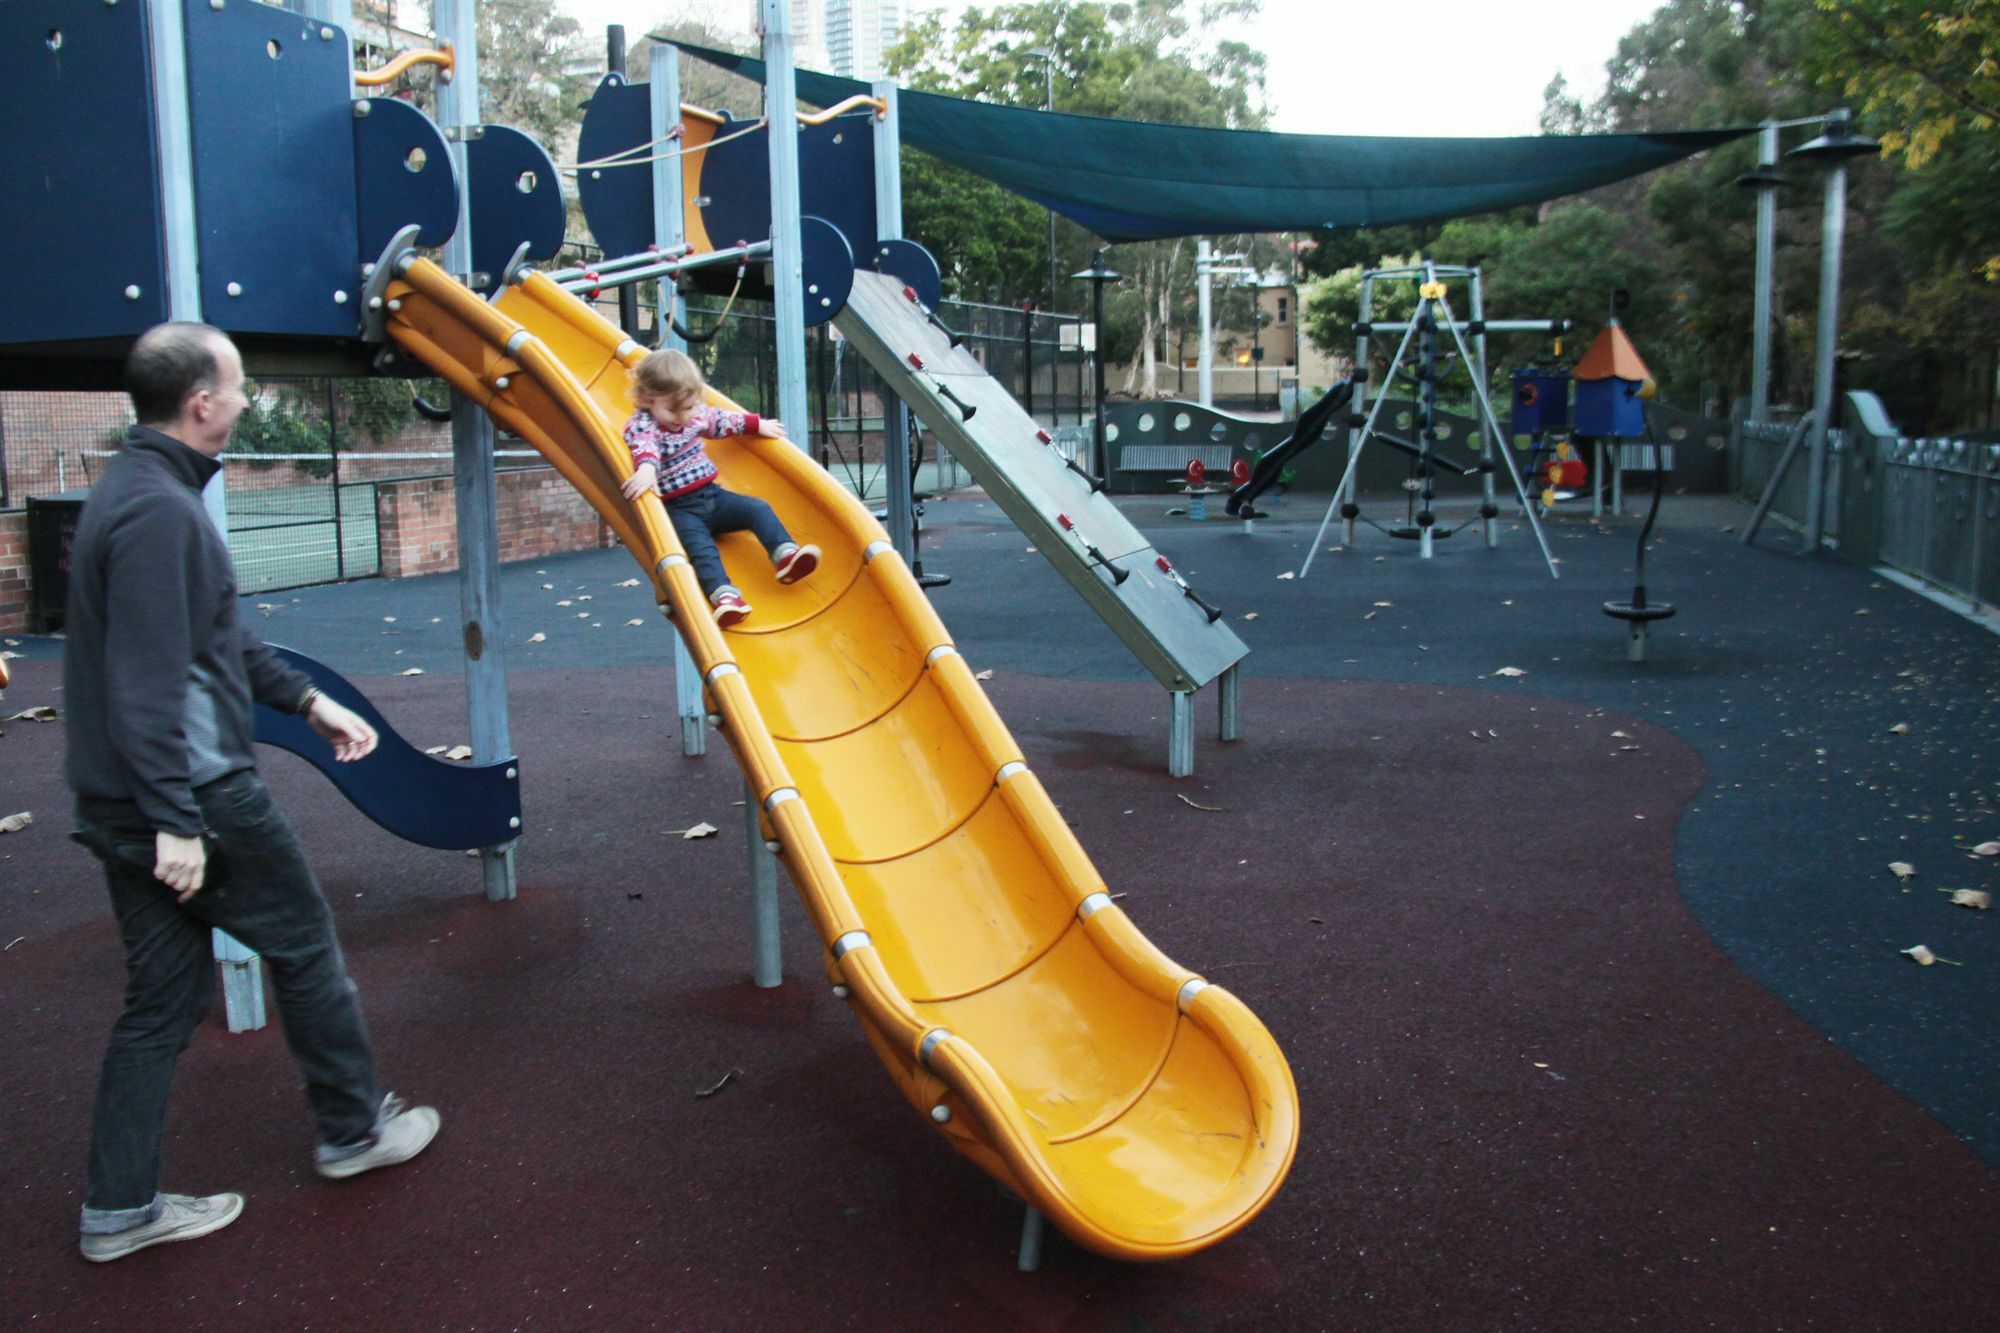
{"x": 1432, "y": 315}
{"x": 977, "y": 945}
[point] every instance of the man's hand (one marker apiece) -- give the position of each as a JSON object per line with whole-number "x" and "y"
{"x": 350, "y": 733}
{"x": 179, "y": 863}
{"x": 645, "y": 479}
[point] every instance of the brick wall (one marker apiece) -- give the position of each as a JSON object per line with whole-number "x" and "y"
{"x": 540, "y": 514}
{"x": 13, "y": 572}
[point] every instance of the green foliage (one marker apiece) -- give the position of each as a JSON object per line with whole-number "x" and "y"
{"x": 284, "y": 420}
{"x": 1165, "y": 61}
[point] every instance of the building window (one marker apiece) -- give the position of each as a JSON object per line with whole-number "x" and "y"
{"x": 1284, "y": 309}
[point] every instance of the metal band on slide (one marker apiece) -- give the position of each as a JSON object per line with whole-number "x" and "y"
{"x": 518, "y": 341}
{"x": 1092, "y": 905}
{"x": 1190, "y": 988}
{"x": 1009, "y": 769}
{"x": 942, "y": 650}
{"x": 932, "y": 1040}
{"x": 779, "y": 797}
{"x": 626, "y": 349}
{"x": 874, "y": 549}
{"x": 719, "y": 670}
{"x": 852, "y": 940}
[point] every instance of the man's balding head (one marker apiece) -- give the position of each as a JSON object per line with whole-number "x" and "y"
{"x": 169, "y": 365}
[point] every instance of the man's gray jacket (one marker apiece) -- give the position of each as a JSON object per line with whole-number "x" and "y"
{"x": 159, "y": 671}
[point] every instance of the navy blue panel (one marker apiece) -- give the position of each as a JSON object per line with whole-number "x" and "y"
{"x": 1609, "y": 409}
{"x": 735, "y": 191}
{"x": 617, "y": 201}
{"x": 431, "y": 802}
{"x": 1541, "y": 400}
{"x": 78, "y": 161}
{"x": 827, "y": 264}
{"x": 515, "y": 196}
{"x": 273, "y": 171}
{"x": 402, "y": 176}
{"x": 914, "y": 265}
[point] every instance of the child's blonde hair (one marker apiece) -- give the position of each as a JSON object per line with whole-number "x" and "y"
{"x": 668, "y": 374}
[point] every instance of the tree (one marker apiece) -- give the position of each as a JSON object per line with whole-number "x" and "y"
{"x": 1155, "y": 60}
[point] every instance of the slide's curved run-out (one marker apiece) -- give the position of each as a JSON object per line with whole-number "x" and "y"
{"x": 1147, "y": 1113}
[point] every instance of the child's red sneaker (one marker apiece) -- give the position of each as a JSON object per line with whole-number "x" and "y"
{"x": 730, "y": 608}
{"x": 797, "y": 563}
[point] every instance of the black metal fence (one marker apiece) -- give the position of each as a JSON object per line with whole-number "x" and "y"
{"x": 307, "y": 455}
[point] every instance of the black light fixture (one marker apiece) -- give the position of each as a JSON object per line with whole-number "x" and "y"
{"x": 1837, "y": 142}
{"x": 1098, "y": 275}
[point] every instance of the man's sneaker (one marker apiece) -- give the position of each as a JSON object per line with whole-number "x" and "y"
{"x": 730, "y": 608}
{"x": 182, "y": 1217}
{"x": 797, "y": 563}
{"x": 400, "y": 1134}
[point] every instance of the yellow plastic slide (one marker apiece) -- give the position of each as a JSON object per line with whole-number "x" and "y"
{"x": 1144, "y": 1111}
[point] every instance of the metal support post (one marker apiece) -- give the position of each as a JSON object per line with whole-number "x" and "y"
{"x": 1597, "y": 479}
{"x": 614, "y": 63}
{"x": 1343, "y": 494}
{"x": 1489, "y": 520}
{"x": 473, "y": 485}
{"x": 1227, "y": 691}
{"x": 663, "y": 75}
{"x": 902, "y": 502}
{"x": 1205, "y": 305}
{"x": 768, "y": 968}
{"x": 788, "y": 293}
{"x": 1426, "y": 416}
{"x": 1767, "y": 241}
{"x": 1030, "y": 1257}
{"x": 1180, "y": 739}
{"x": 1833, "y": 231}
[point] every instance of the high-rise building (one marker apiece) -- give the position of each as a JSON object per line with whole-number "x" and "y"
{"x": 859, "y": 33}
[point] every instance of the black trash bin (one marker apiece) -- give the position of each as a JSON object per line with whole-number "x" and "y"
{"x": 51, "y": 532}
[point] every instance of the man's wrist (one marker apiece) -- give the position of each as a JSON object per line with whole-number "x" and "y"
{"x": 306, "y": 700}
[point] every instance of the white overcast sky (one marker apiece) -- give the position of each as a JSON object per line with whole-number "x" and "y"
{"x": 1429, "y": 67}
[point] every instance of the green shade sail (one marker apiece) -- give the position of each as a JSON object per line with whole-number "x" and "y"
{"x": 1129, "y": 181}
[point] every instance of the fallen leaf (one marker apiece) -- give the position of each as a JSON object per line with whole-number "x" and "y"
{"x": 388, "y": 620}
{"x": 1923, "y": 955}
{"x": 1031, "y": 550}
{"x": 1510, "y": 671}
{"x": 1288, "y": 574}
{"x": 1978, "y": 898}
{"x": 1620, "y": 735}
{"x": 1385, "y": 603}
{"x": 413, "y": 671}
{"x": 460, "y": 753}
{"x": 634, "y": 621}
{"x": 698, "y": 831}
{"x": 549, "y": 586}
{"x": 1371, "y": 615}
{"x": 15, "y": 823}
{"x": 983, "y": 675}
{"x": 565, "y": 602}
{"x": 629, "y": 583}
{"x": 1900, "y": 729}
{"x": 718, "y": 1085}
{"x": 1987, "y": 849}
{"x": 1476, "y": 736}
{"x": 538, "y": 637}
{"x": 1212, "y": 809}
{"x": 1250, "y": 615}
{"x": 39, "y": 713}
{"x": 1902, "y": 869}
{"x": 1862, "y": 612}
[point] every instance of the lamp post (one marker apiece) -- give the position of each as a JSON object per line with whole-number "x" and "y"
{"x": 1837, "y": 142}
{"x": 1098, "y": 275}
{"x": 1047, "y": 56}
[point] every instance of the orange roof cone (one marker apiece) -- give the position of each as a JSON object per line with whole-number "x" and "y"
{"x": 1612, "y": 357}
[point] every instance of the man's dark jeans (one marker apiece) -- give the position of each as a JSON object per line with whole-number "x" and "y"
{"x": 259, "y": 889}
{"x": 700, "y": 515}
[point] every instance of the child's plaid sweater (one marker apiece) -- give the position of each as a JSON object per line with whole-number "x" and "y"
{"x": 678, "y": 456}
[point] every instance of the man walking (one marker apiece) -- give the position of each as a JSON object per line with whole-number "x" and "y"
{"x": 160, "y": 674}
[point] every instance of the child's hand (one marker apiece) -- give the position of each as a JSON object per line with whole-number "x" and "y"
{"x": 645, "y": 479}
{"x": 771, "y": 429}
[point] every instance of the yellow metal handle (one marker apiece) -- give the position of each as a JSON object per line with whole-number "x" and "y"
{"x": 442, "y": 58}
{"x": 860, "y": 99}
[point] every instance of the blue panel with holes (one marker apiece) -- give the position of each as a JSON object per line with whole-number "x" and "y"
{"x": 77, "y": 157}
{"x": 402, "y": 176}
{"x": 269, "y": 103}
{"x": 514, "y": 197}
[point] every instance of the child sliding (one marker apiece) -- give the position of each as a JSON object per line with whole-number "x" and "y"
{"x": 666, "y": 434}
